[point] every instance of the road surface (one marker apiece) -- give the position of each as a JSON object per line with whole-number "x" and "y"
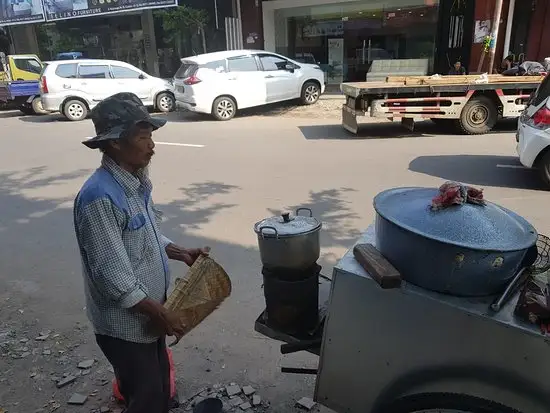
{"x": 213, "y": 181}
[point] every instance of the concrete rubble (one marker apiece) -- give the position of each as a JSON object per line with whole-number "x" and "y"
{"x": 60, "y": 376}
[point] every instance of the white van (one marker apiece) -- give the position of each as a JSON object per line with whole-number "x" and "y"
{"x": 73, "y": 87}
{"x": 221, "y": 83}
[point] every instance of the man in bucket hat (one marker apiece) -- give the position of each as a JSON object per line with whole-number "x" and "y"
{"x": 125, "y": 256}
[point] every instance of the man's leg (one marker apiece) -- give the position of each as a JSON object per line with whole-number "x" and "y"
{"x": 164, "y": 365}
{"x": 138, "y": 368}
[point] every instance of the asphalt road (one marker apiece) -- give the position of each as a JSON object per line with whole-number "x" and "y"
{"x": 214, "y": 181}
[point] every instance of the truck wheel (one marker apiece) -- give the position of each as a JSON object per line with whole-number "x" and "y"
{"x": 448, "y": 402}
{"x": 543, "y": 167}
{"x": 310, "y": 93}
{"x": 224, "y": 108}
{"x": 75, "y": 110}
{"x": 165, "y": 102}
{"x": 478, "y": 116}
{"x": 37, "y": 107}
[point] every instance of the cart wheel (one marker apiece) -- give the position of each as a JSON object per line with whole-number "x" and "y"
{"x": 478, "y": 116}
{"x": 444, "y": 402}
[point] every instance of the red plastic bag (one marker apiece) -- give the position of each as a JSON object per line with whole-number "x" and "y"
{"x": 118, "y": 395}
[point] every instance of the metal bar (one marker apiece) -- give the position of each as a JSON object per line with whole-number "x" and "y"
{"x": 297, "y": 370}
{"x": 494, "y": 35}
{"x": 508, "y": 33}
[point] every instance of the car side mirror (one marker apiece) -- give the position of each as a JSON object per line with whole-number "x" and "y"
{"x": 290, "y": 68}
{"x": 141, "y": 77}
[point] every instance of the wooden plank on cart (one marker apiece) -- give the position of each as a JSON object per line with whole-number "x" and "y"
{"x": 377, "y": 266}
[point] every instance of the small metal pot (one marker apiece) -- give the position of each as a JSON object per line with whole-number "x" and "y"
{"x": 290, "y": 242}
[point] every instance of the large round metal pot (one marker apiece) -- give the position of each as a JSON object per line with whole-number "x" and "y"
{"x": 289, "y": 242}
{"x": 464, "y": 250}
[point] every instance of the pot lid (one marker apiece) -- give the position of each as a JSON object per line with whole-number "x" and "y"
{"x": 285, "y": 225}
{"x": 490, "y": 227}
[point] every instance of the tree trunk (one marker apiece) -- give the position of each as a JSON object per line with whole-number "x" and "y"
{"x": 203, "y": 38}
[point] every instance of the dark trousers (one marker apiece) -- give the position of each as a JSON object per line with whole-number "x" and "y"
{"x": 143, "y": 373}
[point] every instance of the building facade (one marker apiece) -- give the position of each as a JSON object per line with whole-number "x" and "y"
{"x": 135, "y": 36}
{"x": 345, "y": 36}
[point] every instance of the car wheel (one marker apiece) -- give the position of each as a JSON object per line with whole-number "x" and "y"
{"x": 478, "y": 116}
{"x": 224, "y": 108}
{"x": 311, "y": 92}
{"x": 75, "y": 110}
{"x": 165, "y": 102}
{"x": 37, "y": 107}
{"x": 543, "y": 166}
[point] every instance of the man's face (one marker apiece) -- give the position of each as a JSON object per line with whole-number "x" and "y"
{"x": 136, "y": 151}
{"x": 458, "y": 65}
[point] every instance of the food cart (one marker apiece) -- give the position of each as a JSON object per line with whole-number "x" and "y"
{"x": 409, "y": 349}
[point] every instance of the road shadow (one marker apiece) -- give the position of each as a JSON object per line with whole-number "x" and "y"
{"x": 390, "y": 130}
{"x": 49, "y": 118}
{"x": 483, "y": 170}
{"x": 375, "y": 130}
{"x": 41, "y": 284}
{"x": 10, "y": 114}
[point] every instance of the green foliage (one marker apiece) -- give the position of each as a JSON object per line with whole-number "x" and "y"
{"x": 177, "y": 21}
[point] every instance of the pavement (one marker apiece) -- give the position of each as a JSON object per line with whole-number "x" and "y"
{"x": 213, "y": 181}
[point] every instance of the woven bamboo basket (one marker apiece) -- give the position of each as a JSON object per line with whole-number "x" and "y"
{"x": 197, "y": 295}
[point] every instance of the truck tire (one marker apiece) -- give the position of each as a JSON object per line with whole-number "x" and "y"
{"x": 435, "y": 402}
{"x": 75, "y": 110}
{"x": 37, "y": 107}
{"x": 543, "y": 167}
{"x": 478, "y": 116}
{"x": 26, "y": 110}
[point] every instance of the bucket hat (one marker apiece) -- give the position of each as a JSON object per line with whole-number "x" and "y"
{"x": 116, "y": 114}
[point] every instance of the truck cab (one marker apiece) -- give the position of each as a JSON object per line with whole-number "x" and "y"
{"x": 20, "y": 67}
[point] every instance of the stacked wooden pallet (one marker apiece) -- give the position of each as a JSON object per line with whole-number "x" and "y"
{"x": 459, "y": 80}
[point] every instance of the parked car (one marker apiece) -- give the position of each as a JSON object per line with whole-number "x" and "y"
{"x": 533, "y": 135}
{"x": 222, "y": 83}
{"x": 74, "y": 87}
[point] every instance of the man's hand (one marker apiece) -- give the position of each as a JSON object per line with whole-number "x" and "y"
{"x": 188, "y": 256}
{"x": 166, "y": 322}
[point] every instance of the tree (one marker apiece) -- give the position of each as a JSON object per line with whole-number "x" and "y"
{"x": 178, "y": 20}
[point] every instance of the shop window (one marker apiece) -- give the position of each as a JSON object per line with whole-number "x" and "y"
{"x": 28, "y": 65}
{"x": 242, "y": 64}
{"x": 270, "y": 62}
{"x": 120, "y": 72}
{"x": 66, "y": 71}
{"x": 93, "y": 72}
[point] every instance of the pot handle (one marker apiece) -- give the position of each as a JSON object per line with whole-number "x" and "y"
{"x": 268, "y": 227}
{"x": 304, "y": 209}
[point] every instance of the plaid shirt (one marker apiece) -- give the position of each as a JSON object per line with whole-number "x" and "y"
{"x": 122, "y": 251}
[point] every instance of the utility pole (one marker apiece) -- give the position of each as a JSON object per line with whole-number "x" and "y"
{"x": 494, "y": 35}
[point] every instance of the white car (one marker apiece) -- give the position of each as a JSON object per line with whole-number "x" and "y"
{"x": 74, "y": 87}
{"x": 223, "y": 82}
{"x": 533, "y": 135}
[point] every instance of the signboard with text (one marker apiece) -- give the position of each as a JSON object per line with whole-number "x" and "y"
{"x": 20, "y": 11}
{"x": 72, "y": 9}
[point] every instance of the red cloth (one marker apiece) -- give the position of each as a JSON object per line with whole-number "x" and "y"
{"x": 455, "y": 193}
